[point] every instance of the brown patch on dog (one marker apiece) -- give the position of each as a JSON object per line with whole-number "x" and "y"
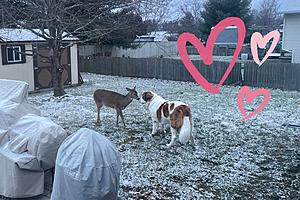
{"x": 147, "y": 96}
{"x": 172, "y": 106}
{"x": 163, "y": 108}
{"x": 178, "y": 114}
{"x": 158, "y": 112}
{"x": 166, "y": 110}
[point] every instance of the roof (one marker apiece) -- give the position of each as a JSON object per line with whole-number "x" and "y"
{"x": 24, "y": 35}
{"x": 228, "y": 36}
{"x": 157, "y": 36}
{"x": 290, "y": 6}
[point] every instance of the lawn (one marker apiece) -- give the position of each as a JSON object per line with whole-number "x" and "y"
{"x": 255, "y": 159}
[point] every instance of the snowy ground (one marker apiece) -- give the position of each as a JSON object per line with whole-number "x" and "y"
{"x": 256, "y": 159}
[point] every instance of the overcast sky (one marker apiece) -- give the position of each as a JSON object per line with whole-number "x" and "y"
{"x": 177, "y": 4}
{"x": 255, "y": 3}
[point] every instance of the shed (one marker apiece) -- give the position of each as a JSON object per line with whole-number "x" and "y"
{"x": 35, "y": 70}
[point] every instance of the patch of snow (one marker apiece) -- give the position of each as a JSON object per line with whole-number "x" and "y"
{"x": 256, "y": 159}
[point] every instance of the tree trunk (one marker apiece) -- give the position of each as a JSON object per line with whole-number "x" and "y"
{"x": 57, "y": 70}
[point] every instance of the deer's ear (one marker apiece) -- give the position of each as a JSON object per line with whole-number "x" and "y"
{"x": 134, "y": 87}
{"x": 128, "y": 89}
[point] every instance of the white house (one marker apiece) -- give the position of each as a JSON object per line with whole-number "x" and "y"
{"x": 158, "y": 36}
{"x": 35, "y": 70}
{"x": 155, "y": 44}
{"x": 291, "y": 28}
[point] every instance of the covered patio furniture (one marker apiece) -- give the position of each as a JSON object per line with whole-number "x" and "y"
{"x": 28, "y": 143}
{"x": 87, "y": 168}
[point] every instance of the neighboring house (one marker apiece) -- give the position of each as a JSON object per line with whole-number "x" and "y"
{"x": 35, "y": 70}
{"x": 156, "y": 44}
{"x": 291, "y": 27}
{"x": 228, "y": 37}
{"x": 225, "y": 44}
{"x": 158, "y": 36}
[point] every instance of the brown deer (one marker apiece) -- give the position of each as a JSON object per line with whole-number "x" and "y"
{"x": 114, "y": 100}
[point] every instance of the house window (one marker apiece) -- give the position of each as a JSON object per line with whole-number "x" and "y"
{"x": 11, "y": 54}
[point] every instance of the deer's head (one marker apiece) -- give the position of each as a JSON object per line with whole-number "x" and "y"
{"x": 133, "y": 93}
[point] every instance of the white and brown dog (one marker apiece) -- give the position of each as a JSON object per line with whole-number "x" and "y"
{"x": 175, "y": 113}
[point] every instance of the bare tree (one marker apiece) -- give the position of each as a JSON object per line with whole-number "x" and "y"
{"x": 194, "y": 7}
{"x": 56, "y": 20}
{"x": 154, "y": 10}
{"x": 268, "y": 14}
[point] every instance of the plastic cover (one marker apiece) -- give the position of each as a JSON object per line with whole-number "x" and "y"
{"x": 87, "y": 168}
{"x": 39, "y": 137}
{"x": 13, "y": 102}
{"x": 28, "y": 142}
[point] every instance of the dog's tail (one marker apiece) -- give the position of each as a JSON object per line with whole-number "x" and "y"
{"x": 185, "y": 133}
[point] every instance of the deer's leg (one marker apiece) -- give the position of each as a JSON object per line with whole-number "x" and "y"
{"x": 98, "y": 113}
{"x": 122, "y": 117}
{"x": 118, "y": 113}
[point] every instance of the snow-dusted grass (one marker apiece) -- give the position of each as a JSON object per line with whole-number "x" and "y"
{"x": 256, "y": 159}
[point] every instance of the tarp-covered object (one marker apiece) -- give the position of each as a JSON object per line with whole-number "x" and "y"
{"x": 39, "y": 137}
{"x": 13, "y": 102}
{"x": 87, "y": 168}
{"x": 28, "y": 143}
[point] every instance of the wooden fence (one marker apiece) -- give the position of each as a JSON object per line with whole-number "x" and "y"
{"x": 272, "y": 74}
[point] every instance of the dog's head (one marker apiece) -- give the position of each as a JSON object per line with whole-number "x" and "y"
{"x": 178, "y": 115}
{"x": 147, "y": 97}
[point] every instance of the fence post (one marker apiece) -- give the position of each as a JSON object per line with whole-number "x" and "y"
{"x": 243, "y": 72}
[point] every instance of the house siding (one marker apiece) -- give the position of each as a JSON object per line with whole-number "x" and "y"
{"x": 291, "y": 38}
{"x": 148, "y": 50}
{"x": 21, "y": 71}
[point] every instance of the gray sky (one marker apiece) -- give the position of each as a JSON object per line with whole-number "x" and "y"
{"x": 255, "y": 3}
{"x": 177, "y": 4}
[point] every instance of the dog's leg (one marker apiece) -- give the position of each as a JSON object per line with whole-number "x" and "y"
{"x": 192, "y": 140}
{"x": 174, "y": 132}
{"x": 155, "y": 125}
{"x": 162, "y": 128}
{"x": 192, "y": 137}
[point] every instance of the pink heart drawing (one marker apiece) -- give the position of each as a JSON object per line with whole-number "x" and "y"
{"x": 250, "y": 96}
{"x": 258, "y": 40}
{"x": 207, "y": 52}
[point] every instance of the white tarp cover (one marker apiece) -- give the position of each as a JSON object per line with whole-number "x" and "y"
{"x": 28, "y": 143}
{"x": 87, "y": 168}
{"x": 39, "y": 137}
{"x": 13, "y": 102}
